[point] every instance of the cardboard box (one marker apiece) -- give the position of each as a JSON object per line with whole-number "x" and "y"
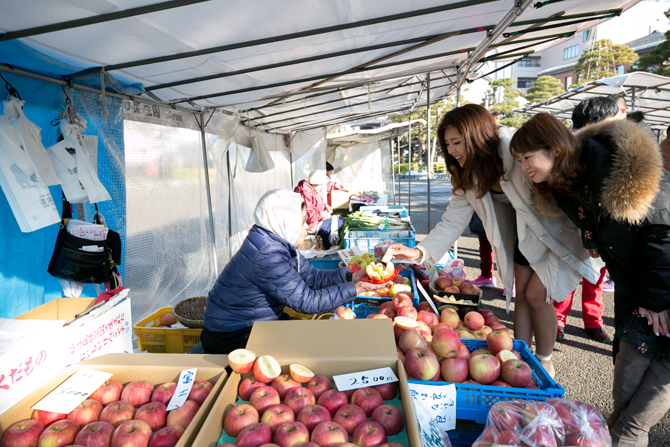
{"x": 327, "y": 347}
{"x": 340, "y": 199}
{"x": 156, "y": 368}
{"x": 30, "y": 363}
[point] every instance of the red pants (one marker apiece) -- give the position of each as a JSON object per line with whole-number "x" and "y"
{"x": 592, "y": 304}
{"x": 485, "y": 256}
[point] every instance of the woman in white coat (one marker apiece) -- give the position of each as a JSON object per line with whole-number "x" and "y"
{"x": 544, "y": 255}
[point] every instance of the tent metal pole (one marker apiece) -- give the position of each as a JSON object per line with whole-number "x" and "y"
{"x": 393, "y": 169}
{"x": 632, "y": 104}
{"x": 290, "y": 161}
{"x": 409, "y": 167}
{"x": 428, "y": 152}
{"x": 203, "y": 140}
{"x": 230, "y": 205}
{"x": 458, "y": 88}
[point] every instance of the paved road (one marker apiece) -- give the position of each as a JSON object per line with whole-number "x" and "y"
{"x": 583, "y": 366}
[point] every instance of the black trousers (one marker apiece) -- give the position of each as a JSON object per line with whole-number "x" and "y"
{"x": 224, "y": 342}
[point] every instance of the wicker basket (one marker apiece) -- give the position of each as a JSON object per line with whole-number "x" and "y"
{"x": 191, "y": 312}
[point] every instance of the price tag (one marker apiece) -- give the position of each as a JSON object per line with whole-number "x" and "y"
{"x": 363, "y": 379}
{"x": 76, "y": 389}
{"x": 438, "y": 401}
{"x": 431, "y": 434}
{"x": 349, "y": 253}
{"x": 428, "y": 298}
{"x": 186, "y": 379}
{"x": 382, "y": 227}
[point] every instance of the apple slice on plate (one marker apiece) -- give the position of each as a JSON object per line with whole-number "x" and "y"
{"x": 405, "y": 323}
{"x": 301, "y": 374}
{"x": 241, "y": 360}
{"x": 266, "y": 369}
{"x": 440, "y": 299}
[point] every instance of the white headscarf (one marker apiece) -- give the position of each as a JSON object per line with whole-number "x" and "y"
{"x": 280, "y": 211}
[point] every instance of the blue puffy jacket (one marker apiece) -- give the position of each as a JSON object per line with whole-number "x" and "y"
{"x": 262, "y": 278}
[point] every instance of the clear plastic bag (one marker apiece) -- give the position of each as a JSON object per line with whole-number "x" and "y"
{"x": 380, "y": 250}
{"x": 555, "y": 423}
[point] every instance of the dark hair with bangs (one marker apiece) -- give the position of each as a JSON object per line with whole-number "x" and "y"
{"x": 483, "y": 166}
{"x": 546, "y": 132}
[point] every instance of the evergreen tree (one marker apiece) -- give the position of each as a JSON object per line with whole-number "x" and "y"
{"x": 658, "y": 60}
{"x": 545, "y": 87}
{"x": 509, "y": 102}
{"x": 602, "y": 60}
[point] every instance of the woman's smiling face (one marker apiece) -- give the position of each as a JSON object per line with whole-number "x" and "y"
{"x": 455, "y": 144}
{"x": 538, "y": 164}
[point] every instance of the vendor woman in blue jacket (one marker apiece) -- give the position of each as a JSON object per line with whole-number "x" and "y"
{"x": 268, "y": 273}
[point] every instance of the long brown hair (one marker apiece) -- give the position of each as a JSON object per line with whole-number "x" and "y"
{"x": 546, "y": 132}
{"x": 483, "y": 166}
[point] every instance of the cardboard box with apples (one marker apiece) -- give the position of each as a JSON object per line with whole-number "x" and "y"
{"x": 318, "y": 350}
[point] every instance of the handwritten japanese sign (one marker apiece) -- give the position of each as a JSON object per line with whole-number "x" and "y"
{"x": 364, "y": 379}
{"x": 186, "y": 379}
{"x": 438, "y": 401}
{"x": 349, "y": 253}
{"x": 77, "y": 388}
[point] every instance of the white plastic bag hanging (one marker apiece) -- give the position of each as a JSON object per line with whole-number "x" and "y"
{"x": 260, "y": 159}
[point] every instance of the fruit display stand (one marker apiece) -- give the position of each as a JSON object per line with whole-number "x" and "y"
{"x": 366, "y": 305}
{"x": 164, "y": 340}
{"x": 474, "y": 401}
{"x": 328, "y": 348}
{"x": 155, "y": 368}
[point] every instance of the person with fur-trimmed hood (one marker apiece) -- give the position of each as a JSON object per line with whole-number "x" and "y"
{"x": 609, "y": 180}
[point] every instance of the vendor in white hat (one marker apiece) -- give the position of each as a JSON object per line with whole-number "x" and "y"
{"x": 319, "y": 219}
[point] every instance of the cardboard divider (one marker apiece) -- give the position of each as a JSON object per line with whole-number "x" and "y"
{"x": 156, "y": 368}
{"x": 328, "y": 348}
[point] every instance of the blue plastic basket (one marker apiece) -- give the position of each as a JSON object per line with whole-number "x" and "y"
{"x": 404, "y": 215}
{"x": 366, "y": 305}
{"x": 330, "y": 262}
{"x": 474, "y": 401}
{"x": 366, "y": 240}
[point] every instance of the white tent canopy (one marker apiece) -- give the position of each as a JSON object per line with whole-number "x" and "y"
{"x": 645, "y": 92}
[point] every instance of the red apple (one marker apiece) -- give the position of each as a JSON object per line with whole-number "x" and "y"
{"x": 283, "y": 383}
{"x": 465, "y": 334}
{"x": 390, "y": 444}
{"x": 499, "y": 341}
{"x": 22, "y": 434}
{"x": 450, "y": 318}
{"x": 369, "y": 434}
{"x": 263, "y": 397}
{"x": 491, "y": 319}
{"x": 480, "y": 334}
{"x": 427, "y": 317}
{"x": 446, "y": 343}
{"x": 238, "y": 418}
{"x": 58, "y": 434}
{"x": 411, "y": 339}
{"x": 131, "y": 434}
{"x": 401, "y": 355}
{"x": 500, "y": 383}
{"x": 481, "y": 351}
{"x": 578, "y": 439}
{"x": 166, "y": 437}
{"x": 266, "y": 369}
{"x": 183, "y": 415}
{"x": 401, "y": 300}
{"x": 47, "y": 417}
{"x": 290, "y": 434}
{"x": 168, "y": 319}
{"x": 484, "y": 368}
{"x": 271, "y": 444}
{"x": 424, "y": 306}
{"x": 153, "y": 413}
{"x": 469, "y": 289}
{"x": 254, "y": 435}
{"x": 386, "y": 305}
{"x": 200, "y": 391}
{"x": 470, "y": 382}
{"x": 452, "y": 289}
{"x": 109, "y": 392}
{"x": 247, "y": 387}
{"x": 508, "y": 438}
{"x": 241, "y": 360}
{"x": 86, "y": 412}
{"x": 346, "y": 313}
{"x": 333, "y": 400}
{"x": 117, "y": 413}
{"x": 354, "y": 267}
{"x": 138, "y": 393}
{"x": 516, "y": 372}
{"x": 538, "y": 435}
{"x": 503, "y": 416}
{"x": 329, "y": 434}
{"x": 388, "y": 312}
{"x": 275, "y": 415}
{"x": 349, "y": 417}
{"x": 388, "y": 391}
{"x": 421, "y": 363}
{"x": 496, "y": 326}
{"x": 95, "y": 434}
{"x": 473, "y": 320}
{"x": 442, "y": 282}
{"x": 390, "y": 418}
{"x": 297, "y": 398}
{"x": 318, "y": 385}
{"x": 163, "y": 393}
{"x": 407, "y": 311}
{"x": 424, "y": 329}
{"x": 485, "y": 312}
{"x": 464, "y": 353}
{"x": 312, "y": 415}
{"x": 454, "y": 370}
{"x": 397, "y": 331}
{"x": 368, "y": 399}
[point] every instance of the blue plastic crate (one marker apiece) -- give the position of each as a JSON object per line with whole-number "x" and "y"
{"x": 404, "y": 215}
{"x": 474, "y": 401}
{"x": 330, "y": 262}
{"x": 366, "y": 240}
{"x": 366, "y": 305}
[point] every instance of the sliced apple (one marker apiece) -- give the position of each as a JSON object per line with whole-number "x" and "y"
{"x": 505, "y": 355}
{"x": 441, "y": 299}
{"x": 241, "y": 360}
{"x": 405, "y": 323}
{"x": 266, "y": 369}
{"x": 388, "y": 256}
{"x": 398, "y": 288}
{"x": 301, "y": 374}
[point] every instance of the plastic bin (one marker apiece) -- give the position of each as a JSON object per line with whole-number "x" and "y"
{"x": 164, "y": 340}
{"x": 367, "y": 239}
{"x": 404, "y": 215}
{"x": 474, "y": 401}
{"x": 366, "y": 305}
{"x": 330, "y": 262}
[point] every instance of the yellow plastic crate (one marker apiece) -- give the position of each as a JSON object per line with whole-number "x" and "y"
{"x": 164, "y": 340}
{"x": 296, "y": 314}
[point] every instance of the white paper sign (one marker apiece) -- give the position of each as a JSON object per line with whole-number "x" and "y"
{"x": 73, "y": 391}
{"x": 428, "y": 298}
{"x": 438, "y": 401}
{"x": 364, "y": 379}
{"x": 349, "y": 253}
{"x": 431, "y": 434}
{"x": 186, "y": 379}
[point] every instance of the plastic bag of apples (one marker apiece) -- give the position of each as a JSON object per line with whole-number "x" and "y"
{"x": 554, "y": 423}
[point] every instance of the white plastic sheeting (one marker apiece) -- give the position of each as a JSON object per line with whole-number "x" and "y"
{"x": 363, "y": 167}
{"x": 308, "y": 151}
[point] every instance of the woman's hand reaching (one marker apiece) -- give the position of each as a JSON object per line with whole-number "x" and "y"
{"x": 660, "y": 321}
{"x": 405, "y": 253}
{"x": 367, "y": 286}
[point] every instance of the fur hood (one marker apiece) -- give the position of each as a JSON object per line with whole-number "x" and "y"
{"x": 629, "y": 191}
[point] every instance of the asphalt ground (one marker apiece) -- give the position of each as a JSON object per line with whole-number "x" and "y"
{"x": 583, "y": 366}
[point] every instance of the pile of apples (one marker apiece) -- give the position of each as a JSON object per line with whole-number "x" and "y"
{"x": 554, "y": 423}
{"x": 357, "y": 263}
{"x": 303, "y": 409}
{"x": 167, "y": 320}
{"x": 113, "y": 416}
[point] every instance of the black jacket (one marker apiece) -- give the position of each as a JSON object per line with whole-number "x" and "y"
{"x": 623, "y": 210}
